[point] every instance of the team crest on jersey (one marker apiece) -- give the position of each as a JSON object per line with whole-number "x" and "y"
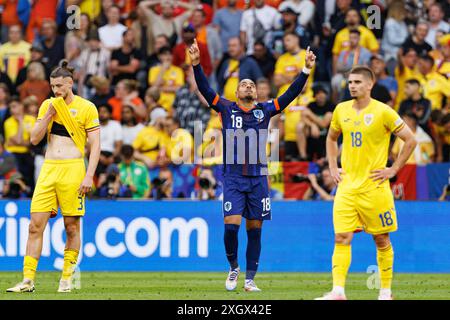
{"x": 259, "y": 114}
{"x": 227, "y": 206}
{"x": 368, "y": 118}
{"x": 73, "y": 112}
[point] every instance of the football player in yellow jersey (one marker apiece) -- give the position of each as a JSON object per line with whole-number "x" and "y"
{"x": 364, "y": 197}
{"x": 63, "y": 181}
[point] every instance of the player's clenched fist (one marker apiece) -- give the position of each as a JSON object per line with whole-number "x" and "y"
{"x": 310, "y": 59}
{"x": 194, "y": 53}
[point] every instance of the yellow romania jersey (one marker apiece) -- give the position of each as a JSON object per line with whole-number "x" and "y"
{"x": 174, "y": 76}
{"x": 292, "y": 115}
{"x": 291, "y": 65}
{"x": 232, "y": 75}
{"x": 435, "y": 88}
{"x": 181, "y": 141}
{"x": 83, "y": 111}
{"x": 401, "y": 78}
{"x": 367, "y": 40}
{"x": 149, "y": 141}
{"x": 11, "y": 127}
{"x": 366, "y": 137}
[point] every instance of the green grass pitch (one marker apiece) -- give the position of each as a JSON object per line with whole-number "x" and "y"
{"x": 210, "y": 285}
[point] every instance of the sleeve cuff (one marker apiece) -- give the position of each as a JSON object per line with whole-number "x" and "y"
{"x": 306, "y": 70}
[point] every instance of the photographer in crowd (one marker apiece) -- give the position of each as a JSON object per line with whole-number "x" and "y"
{"x": 208, "y": 185}
{"x": 322, "y": 186}
{"x": 162, "y": 185}
{"x": 134, "y": 175}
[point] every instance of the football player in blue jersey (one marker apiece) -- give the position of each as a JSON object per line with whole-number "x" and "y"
{"x": 246, "y": 188}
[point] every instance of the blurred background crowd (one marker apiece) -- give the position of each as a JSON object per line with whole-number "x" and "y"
{"x": 130, "y": 59}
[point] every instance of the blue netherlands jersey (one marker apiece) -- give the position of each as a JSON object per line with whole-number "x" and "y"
{"x": 245, "y": 133}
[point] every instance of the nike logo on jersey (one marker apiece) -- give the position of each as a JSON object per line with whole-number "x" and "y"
{"x": 265, "y": 214}
{"x": 234, "y": 111}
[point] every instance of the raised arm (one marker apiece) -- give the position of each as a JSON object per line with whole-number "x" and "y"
{"x": 297, "y": 86}
{"x": 200, "y": 78}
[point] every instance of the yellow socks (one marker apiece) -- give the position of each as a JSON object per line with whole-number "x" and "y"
{"x": 29, "y": 267}
{"x": 70, "y": 261}
{"x": 342, "y": 257}
{"x": 385, "y": 259}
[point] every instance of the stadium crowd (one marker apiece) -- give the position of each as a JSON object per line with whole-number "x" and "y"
{"x": 130, "y": 59}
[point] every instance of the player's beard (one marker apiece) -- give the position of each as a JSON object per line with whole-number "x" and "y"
{"x": 248, "y": 98}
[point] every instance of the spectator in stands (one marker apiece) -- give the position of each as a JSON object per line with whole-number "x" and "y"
{"x": 181, "y": 58}
{"x": 443, "y": 63}
{"x": 264, "y": 58}
{"x": 303, "y": 8}
{"x": 405, "y": 69}
{"x": 227, "y": 21}
{"x": 181, "y": 145}
{"x": 144, "y": 40}
{"x": 435, "y": 85}
{"x": 37, "y": 55}
{"x": 353, "y": 55}
{"x": 134, "y": 175}
{"x": 415, "y": 102}
{"x": 258, "y": 23}
{"x": 126, "y": 92}
{"x": 287, "y": 67}
{"x": 112, "y": 137}
{"x": 102, "y": 89}
{"x": 52, "y": 43}
{"x": 101, "y": 17}
{"x": 8, "y": 166}
{"x": 207, "y": 35}
{"x": 334, "y": 19}
{"x": 289, "y": 24}
{"x": 378, "y": 67}
{"x": 208, "y": 185}
{"x": 342, "y": 40}
{"x": 190, "y": 108}
{"x": 235, "y": 68}
{"x": 36, "y": 84}
{"x": 167, "y": 77}
{"x": 443, "y": 139}
{"x": 111, "y": 33}
{"x": 424, "y": 151}
{"x": 161, "y": 41}
{"x": 152, "y": 96}
{"x": 162, "y": 186}
{"x": 35, "y": 14}
{"x": 167, "y": 23}
{"x": 152, "y": 142}
{"x": 15, "y": 53}
{"x": 263, "y": 93}
{"x": 437, "y": 23}
{"x": 32, "y": 108}
{"x": 75, "y": 40}
{"x": 4, "y": 109}
{"x": 93, "y": 61}
{"x": 395, "y": 33}
{"x": 9, "y": 17}
{"x": 17, "y": 139}
{"x": 322, "y": 186}
{"x": 312, "y": 129}
{"x": 125, "y": 61}
{"x": 130, "y": 126}
{"x": 417, "y": 40}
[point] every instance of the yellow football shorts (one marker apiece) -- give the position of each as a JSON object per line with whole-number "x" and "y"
{"x": 57, "y": 186}
{"x": 373, "y": 211}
